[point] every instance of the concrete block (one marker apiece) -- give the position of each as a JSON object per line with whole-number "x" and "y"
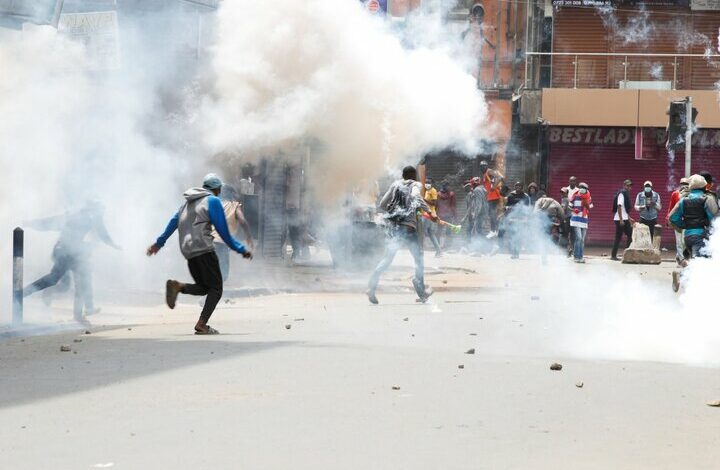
{"x": 642, "y": 250}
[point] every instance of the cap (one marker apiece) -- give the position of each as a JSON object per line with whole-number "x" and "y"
{"x": 627, "y": 182}
{"x": 697, "y": 182}
{"x": 484, "y": 163}
{"x": 684, "y": 181}
{"x": 647, "y": 183}
{"x": 212, "y": 181}
{"x": 584, "y": 185}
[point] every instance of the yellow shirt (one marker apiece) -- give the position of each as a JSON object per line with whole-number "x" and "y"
{"x": 431, "y": 197}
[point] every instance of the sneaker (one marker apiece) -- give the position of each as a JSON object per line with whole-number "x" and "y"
{"x": 372, "y": 297}
{"x": 676, "y": 281}
{"x": 426, "y": 295}
{"x": 614, "y": 258}
{"x": 172, "y": 289}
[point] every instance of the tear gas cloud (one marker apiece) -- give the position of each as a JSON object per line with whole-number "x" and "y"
{"x": 328, "y": 71}
{"x": 69, "y": 135}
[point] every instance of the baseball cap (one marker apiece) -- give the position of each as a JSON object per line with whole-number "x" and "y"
{"x": 212, "y": 181}
{"x": 647, "y": 183}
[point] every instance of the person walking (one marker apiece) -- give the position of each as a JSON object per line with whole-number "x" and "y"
{"x": 623, "y": 223}
{"x": 549, "y": 217}
{"x": 694, "y": 214}
{"x": 200, "y": 213}
{"x": 401, "y": 204}
{"x": 71, "y": 253}
{"x": 580, "y": 204}
{"x": 431, "y": 198}
{"x": 647, "y": 203}
{"x": 682, "y": 191}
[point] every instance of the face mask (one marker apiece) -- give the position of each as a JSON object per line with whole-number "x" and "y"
{"x": 583, "y": 190}
{"x": 648, "y": 189}
{"x": 428, "y": 186}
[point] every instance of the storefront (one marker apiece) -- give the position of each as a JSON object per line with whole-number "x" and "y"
{"x": 605, "y": 156}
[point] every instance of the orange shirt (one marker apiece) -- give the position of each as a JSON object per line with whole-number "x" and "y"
{"x": 493, "y": 194}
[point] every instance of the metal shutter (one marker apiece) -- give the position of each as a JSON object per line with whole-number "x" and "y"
{"x": 273, "y": 214}
{"x": 579, "y": 30}
{"x": 605, "y": 168}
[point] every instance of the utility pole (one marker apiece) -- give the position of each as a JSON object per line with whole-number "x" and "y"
{"x": 688, "y": 135}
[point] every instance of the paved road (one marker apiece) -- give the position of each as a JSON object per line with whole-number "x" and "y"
{"x": 143, "y": 393}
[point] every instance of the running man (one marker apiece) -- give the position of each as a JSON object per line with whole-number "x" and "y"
{"x": 194, "y": 222}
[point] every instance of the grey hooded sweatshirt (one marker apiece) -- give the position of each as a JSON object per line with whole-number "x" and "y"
{"x": 194, "y": 222}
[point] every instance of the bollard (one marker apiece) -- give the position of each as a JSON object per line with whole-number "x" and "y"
{"x": 18, "y": 249}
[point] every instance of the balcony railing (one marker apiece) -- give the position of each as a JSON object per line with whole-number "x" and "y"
{"x": 621, "y": 70}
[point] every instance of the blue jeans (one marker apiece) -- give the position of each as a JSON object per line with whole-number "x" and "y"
{"x": 579, "y": 248}
{"x": 401, "y": 236}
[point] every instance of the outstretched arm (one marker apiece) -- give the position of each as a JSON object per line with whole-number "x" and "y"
{"x": 162, "y": 239}
{"x": 103, "y": 234}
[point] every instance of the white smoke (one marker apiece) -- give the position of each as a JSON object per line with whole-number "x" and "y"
{"x": 328, "y": 71}
{"x": 70, "y": 135}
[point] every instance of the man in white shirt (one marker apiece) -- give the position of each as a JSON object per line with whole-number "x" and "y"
{"x": 623, "y": 223}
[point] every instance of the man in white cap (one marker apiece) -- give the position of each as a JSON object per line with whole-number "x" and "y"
{"x": 647, "y": 203}
{"x": 194, "y": 222}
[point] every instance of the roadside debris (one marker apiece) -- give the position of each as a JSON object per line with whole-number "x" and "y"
{"x": 555, "y": 366}
{"x": 461, "y": 366}
{"x": 535, "y": 297}
{"x": 77, "y": 340}
{"x": 88, "y": 332}
{"x": 579, "y": 384}
{"x": 65, "y": 348}
{"x": 299, "y": 319}
{"x": 396, "y": 387}
{"x": 473, "y": 334}
{"x": 714, "y": 403}
{"x": 406, "y": 319}
{"x": 444, "y": 282}
{"x": 288, "y": 326}
{"x": 470, "y": 351}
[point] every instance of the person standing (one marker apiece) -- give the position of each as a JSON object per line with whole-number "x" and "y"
{"x": 580, "y": 204}
{"x": 71, "y": 253}
{"x": 431, "y": 198}
{"x": 401, "y": 203}
{"x": 235, "y": 220}
{"x": 623, "y": 223}
{"x": 476, "y": 205}
{"x": 516, "y": 218}
{"x": 675, "y": 197}
{"x": 447, "y": 211}
{"x": 648, "y": 204}
{"x": 491, "y": 181}
{"x": 194, "y": 221}
{"x": 534, "y": 193}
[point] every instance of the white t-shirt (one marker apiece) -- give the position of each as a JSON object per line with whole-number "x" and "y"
{"x": 623, "y": 209}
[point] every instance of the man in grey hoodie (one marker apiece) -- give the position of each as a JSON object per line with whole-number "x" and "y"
{"x": 194, "y": 222}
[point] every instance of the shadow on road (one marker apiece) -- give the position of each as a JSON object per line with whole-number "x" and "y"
{"x": 33, "y": 369}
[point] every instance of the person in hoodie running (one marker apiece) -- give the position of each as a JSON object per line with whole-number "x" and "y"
{"x": 401, "y": 204}
{"x": 72, "y": 253}
{"x": 194, "y": 222}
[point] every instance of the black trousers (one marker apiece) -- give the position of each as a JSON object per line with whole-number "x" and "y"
{"x": 651, "y": 225}
{"x": 626, "y": 229}
{"x": 205, "y": 271}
